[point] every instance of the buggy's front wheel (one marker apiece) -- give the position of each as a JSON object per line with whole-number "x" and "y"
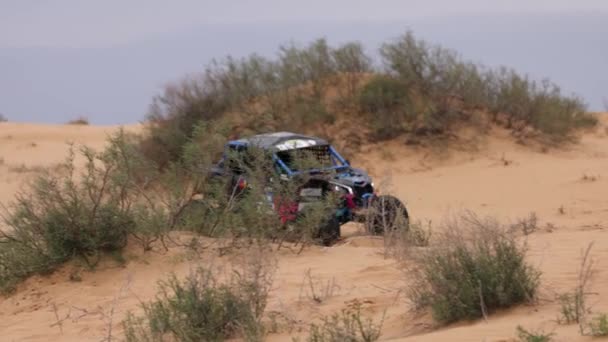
{"x": 386, "y": 213}
{"x": 329, "y": 232}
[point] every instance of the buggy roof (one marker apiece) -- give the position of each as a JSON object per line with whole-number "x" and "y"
{"x": 280, "y": 141}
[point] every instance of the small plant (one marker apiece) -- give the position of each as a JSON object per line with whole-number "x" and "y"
{"x": 599, "y": 325}
{"x": 561, "y": 210}
{"x": 536, "y": 336}
{"x": 526, "y": 225}
{"x": 349, "y": 325}
{"x": 476, "y": 267}
{"x": 3, "y": 118}
{"x": 571, "y": 308}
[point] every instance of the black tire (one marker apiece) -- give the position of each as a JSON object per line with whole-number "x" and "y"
{"x": 329, "y": 233}
{"x": 387, "y": 212}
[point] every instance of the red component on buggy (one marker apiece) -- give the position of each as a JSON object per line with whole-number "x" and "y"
{"x": 287, "y": 210}
{"x": 349, "y": 199}
{"x": 241, "y": 184}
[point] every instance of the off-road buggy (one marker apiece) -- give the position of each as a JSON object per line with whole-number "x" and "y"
{"x": 330, "y": 174}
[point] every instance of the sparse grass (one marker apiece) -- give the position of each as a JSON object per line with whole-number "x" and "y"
{"x": 317, "y": 290}
{"x": 81, "y": 120}
{"x": 533, "y": 336}
{"x": 350, "y": 325}
{"x": 570, "y": 308}
{"x": 574, "y": 307}
{"x": 475, "y": 267}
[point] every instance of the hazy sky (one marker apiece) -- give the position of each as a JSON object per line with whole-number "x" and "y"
{"x": 107, "y": 58}
{"x": 84, "y": 23}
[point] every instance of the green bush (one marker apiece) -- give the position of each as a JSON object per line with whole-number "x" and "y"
{"x": 386, "y": 104}
{"x": 200, "y": 308}
{"x": 64, "y": 216}
{"x": 477, "y": 268}
{"x": 91, "y": 210}
{"x": 194, "y": 313}
{"x": 174, "y": 116}
{"x": 423, "y": 89}
{"x": 449, "y": 87}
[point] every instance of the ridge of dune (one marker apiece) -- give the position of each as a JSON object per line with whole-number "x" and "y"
{"x": 566, "y": 188}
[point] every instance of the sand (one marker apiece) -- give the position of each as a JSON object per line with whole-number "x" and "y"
{"x": 566, "y": 188}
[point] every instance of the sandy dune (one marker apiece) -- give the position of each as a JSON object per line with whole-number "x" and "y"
{"x": 566, "y": 188}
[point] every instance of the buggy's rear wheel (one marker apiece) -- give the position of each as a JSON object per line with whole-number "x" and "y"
{"x": 387, "y": 213}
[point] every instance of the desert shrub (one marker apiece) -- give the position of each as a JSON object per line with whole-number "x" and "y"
{"x": 349, "y": 325}
{"x": 174, "y": 116}
{"x": 431, "y": 74}
{"x": 423, "y": 89}
{"x": 202, "y": 308}
{"x": 66, "y": 215}
{"x": 86, "y": 211}
{"x": 352, "y": 65}
{"x": 81, "y": 120}
{"x": 535, "y": 336}
{"x": 309, "y": 109}
{"x": 3, "y": 118}
{"x": 385, "y": 102}
{"x": 312, "y": 64}
{"x": 539, "y": 105}
{"x": 477, "y": 267}
{"x": 449, "y": 87}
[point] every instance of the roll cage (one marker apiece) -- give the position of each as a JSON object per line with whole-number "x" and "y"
{"x": 281, "y": 158}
